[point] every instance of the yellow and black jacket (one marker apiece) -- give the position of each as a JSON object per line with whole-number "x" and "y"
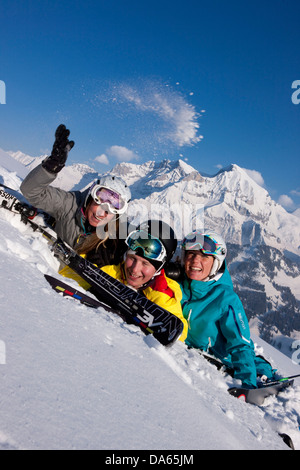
{"x": 163, "y": 291}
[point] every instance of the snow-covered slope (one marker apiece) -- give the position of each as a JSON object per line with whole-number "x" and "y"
{"x": 11, "y": 170}
{"x": 78, "y": 378}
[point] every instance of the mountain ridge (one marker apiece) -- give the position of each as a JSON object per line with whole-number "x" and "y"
{"x": 224, "y": 196}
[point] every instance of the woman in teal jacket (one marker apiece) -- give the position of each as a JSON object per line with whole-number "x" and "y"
{"x": 216, "y": 317}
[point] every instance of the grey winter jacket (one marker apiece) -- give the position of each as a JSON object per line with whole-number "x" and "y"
{"x": 64, "y": 206}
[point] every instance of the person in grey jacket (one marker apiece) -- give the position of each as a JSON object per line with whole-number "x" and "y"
{"x": 88, "y": 221}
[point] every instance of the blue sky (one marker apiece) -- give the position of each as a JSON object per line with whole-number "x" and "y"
{"x": 208, "y": 82}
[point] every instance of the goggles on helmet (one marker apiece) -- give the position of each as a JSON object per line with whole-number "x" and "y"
{"x": 151, "y": 247}
{"x": 203, "y": 243}
{"x": 111, "y": 199}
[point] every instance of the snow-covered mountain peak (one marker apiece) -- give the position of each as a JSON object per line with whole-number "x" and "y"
{"x": 296, "y": 213}
{"x": 234, "y": 176}
{"x": 21, "y": 157}
{"x": 232, "y": 201}
{"x": 159, "y": 167}
{"x": 26, "y": 160}
{"x": 144, "y": 177}
{"x": 180, "y": 166}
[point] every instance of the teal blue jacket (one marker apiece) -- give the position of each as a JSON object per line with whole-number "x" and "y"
{"x": 218, "y": 324}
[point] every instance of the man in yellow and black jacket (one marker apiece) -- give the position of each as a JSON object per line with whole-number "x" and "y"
{"x": 150, "y": 247}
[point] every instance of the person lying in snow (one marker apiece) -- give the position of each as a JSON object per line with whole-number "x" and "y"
{"x": 149, "y": 248}
{"x": 88, "y": 221}
{"x": 217, "y": 322}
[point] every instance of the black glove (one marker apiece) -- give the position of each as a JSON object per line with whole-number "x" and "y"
{"x": 61, "y": 148}
{"x": 61, "y": 250}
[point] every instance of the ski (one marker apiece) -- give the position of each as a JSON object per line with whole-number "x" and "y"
{"x": 69, "y": 291}
{"x": 132, "y": 306}
{"x": 283, "y": 379}
{"x": 287, "y": 440}
{"x": 9, "y": 202}
{"x": 27, "y": 212}
{"x": 256, "y": 396}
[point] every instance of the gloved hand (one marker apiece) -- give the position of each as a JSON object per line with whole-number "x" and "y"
{"x": 61, "y": 148}
{"x": 61, "y": 250}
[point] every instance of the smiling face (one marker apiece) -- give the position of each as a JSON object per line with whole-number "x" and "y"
{"x": 197, "y": 265}
{"x": 97, "y": 216}
{"x": 138, "y": 271}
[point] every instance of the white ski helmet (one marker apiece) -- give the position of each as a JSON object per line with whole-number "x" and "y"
{"x": 210, "y": 243}
{"x": 115, "y": 184}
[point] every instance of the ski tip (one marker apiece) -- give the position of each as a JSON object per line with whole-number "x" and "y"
{"x": 287, "y": 440}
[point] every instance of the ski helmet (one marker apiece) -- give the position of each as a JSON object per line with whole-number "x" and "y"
{"x": 154, "y": 240}
{"x": 210, "y": 243}
{"x": 116, "y": 197}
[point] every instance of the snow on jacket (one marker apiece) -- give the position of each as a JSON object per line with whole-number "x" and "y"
{"x": 218, "y": 324}
{"x": 163, "y": 291}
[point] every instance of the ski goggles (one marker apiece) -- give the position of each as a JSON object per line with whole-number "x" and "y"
{"x": 202, "y": 243}
{"x": 112, "y": 200}
{"x": 151, "y": 247}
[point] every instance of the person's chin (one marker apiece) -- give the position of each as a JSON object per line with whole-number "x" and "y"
{"x": 134, "y": 282}
{"x": 195, "y": 276}
{"x": 97, "y": 223}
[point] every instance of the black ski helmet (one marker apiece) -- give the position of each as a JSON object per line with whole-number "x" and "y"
{"x": 162, "y": 231}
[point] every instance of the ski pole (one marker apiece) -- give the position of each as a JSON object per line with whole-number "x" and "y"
{"x": 284, "y": 379}
{"x": 289, "y": 378}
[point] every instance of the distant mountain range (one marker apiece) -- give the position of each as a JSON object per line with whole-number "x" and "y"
{"x": 263, "y": 238}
